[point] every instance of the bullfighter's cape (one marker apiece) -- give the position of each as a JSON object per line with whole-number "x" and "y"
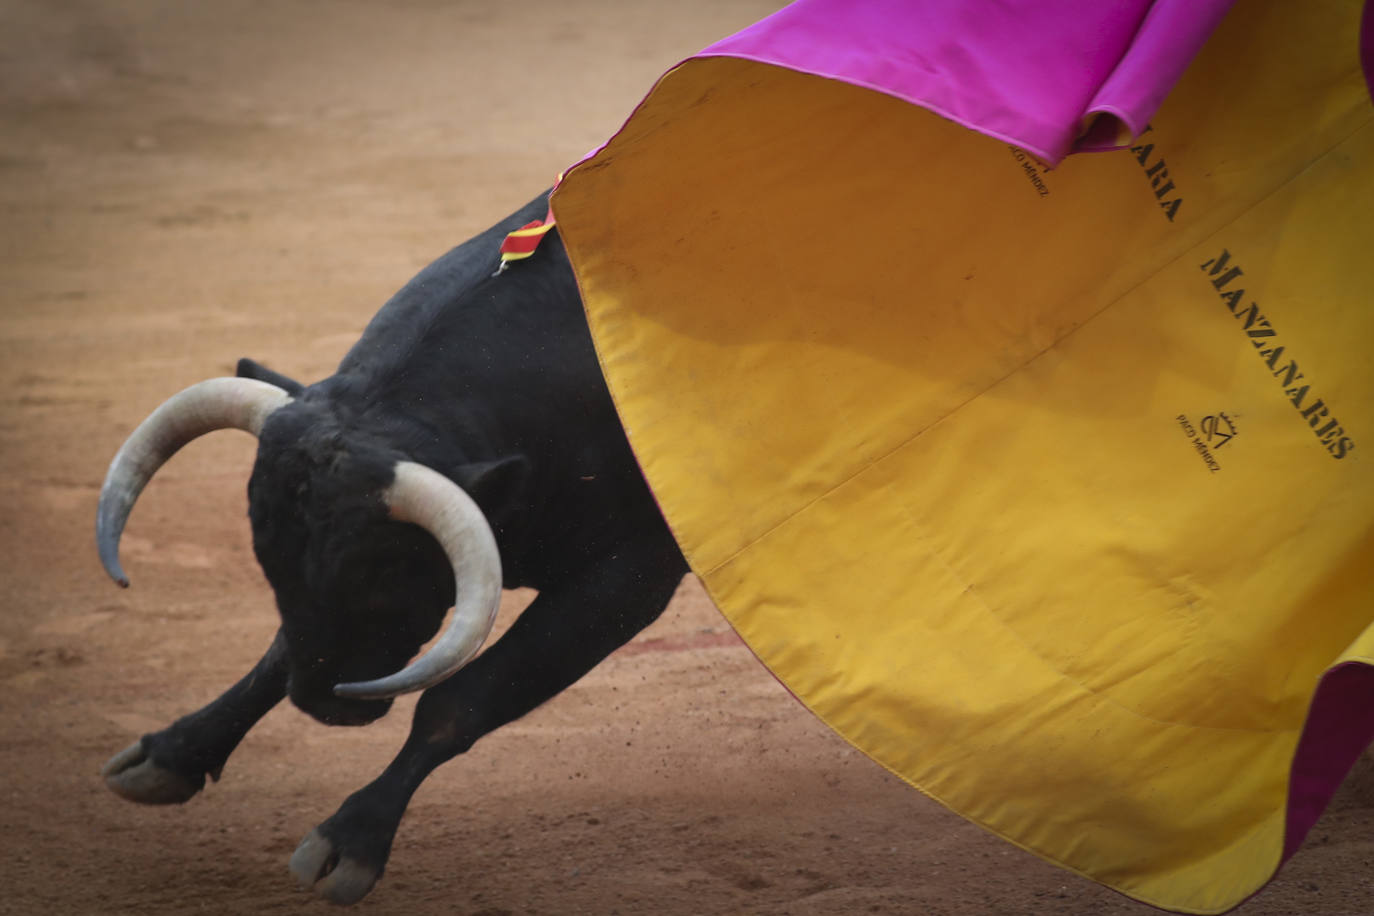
{"x": 1051, "y": 490}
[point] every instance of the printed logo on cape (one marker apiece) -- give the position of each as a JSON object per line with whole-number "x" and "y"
{"x": 1211, "y": 433}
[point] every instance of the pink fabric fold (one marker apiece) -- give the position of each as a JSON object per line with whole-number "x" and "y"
{"x": 1367, "y": 45}
{"x": 1049, "y": 78}
{"x": 1340, "y": 725}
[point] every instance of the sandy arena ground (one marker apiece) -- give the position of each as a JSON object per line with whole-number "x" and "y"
{"x": 183, "y": 184}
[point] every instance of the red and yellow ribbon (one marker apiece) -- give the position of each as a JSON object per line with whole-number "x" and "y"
{"x": 522, "y": 243}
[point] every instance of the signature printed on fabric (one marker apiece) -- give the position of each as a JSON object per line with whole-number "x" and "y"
{"x": 1032, "y": 167}
{"x": 1211, "y": 433}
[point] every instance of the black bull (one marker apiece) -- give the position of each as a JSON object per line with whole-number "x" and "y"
{"x": 492, "y": 382}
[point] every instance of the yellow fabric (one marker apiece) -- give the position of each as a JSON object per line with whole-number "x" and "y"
{"x": 929, "y": 421}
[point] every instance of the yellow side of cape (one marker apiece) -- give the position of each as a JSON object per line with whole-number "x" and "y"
{"x": 1049, "y": 490}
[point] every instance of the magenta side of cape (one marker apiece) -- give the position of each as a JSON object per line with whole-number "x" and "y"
{"x": 1023, "y": 71}
{"x": 1367, "y": 45}
{"x": 1340, "y": 725}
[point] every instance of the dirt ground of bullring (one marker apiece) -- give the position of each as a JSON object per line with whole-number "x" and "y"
{"x": 186, "y": 183}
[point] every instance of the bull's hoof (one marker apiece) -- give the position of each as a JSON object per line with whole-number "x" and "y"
{"x": 337, "y": 878}
{"x": 133, "y": 775}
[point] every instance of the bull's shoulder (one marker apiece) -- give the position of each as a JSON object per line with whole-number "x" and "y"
{"x": 443, "y": 285}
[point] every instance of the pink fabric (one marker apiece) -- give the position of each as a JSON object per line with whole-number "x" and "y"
{"x": 1031, "y": 73}
{"x": 1367, "y": 45}
{"x": 1340, "y": 725}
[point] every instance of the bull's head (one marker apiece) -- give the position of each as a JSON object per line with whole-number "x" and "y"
{"x": 360, "y": 587}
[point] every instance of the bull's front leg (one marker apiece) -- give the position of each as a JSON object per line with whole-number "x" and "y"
{"x": 170, "y": 766}
{"x": 561, "y": 636}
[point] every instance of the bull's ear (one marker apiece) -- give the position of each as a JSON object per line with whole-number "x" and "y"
{"x": 247, "y": 368}
{"x": 495, "y": 484}
{"x": 498, "y": 487}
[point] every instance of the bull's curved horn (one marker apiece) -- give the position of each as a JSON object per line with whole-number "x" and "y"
{"x": 437, "y": 504}
{"x": 218, "y": 403}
